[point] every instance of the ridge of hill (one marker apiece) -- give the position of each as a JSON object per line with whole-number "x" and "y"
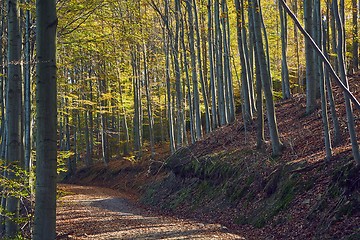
{"x": 224, "y": 178}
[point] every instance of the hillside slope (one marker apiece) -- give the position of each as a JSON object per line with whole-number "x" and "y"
{"x": 224, "y": 178}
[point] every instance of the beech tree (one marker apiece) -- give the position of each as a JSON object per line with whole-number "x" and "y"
{"x": 343, "y": 77}
{"x": 285, "y": 82}
{"x": 310, "y": 61}
{"x": 13, "y": 110}
{"x": 355, "y": 37}
{"x": 265, "y": 79}
{"x": 245, "y": 77}
{"x": 46, "y": 111}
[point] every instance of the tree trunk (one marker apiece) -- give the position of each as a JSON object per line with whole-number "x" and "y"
{"x": 342, "y": 69}
{"x": 27, "y": 94}
{"x": 229, "y": 91}
{"x": 266, "y": 81}
{"x": 201, "y": 77}
{"x": 181, "y": 124}
{"x": 186, "y": 70}
{"x": 214, "y": 119}
{"x": 137, "y": 111}
{"x": 260, "y": 135}
{"x": 194, "y": 73}
{"x": 245, "y": 90}
{"x": 168, "y": 91}
{"x": 149, "y": 106}
{"x": 2, "y": 111}
{"x": 310, "y": 61}
{"x": 355, "y": 43}
{"x": 46, "y": 146}
{"x": 285, "y": 83}
{"x": 13, "y": 109}
{"x": 88, "y": 156}
{"x": 124, "y": 122}
{"x": 219, "y": 66}
{"x": 324, "y": 112}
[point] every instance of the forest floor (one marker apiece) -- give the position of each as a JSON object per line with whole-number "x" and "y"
{"x": 223, "y": 179}
{"x": 88, "y": 212}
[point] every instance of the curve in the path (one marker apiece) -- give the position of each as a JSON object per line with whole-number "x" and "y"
{"x": 88, "y": 212}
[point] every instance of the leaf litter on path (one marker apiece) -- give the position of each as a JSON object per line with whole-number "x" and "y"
{"x": 88, "y": 212}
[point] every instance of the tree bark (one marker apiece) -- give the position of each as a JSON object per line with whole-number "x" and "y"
{"x": 266, "y": 81}
{"x": 355, "y": 43}
{"x": 342, "y": 69}
{"x": 285, "y": 83}
{"x": 194, "y": 73}
{"x": 13, "y": 109}
{"x": 310, "y": 61}
{"x": 46, "y": 109}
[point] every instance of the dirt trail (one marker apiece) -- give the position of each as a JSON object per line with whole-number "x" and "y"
{"x": 88, "y": 212}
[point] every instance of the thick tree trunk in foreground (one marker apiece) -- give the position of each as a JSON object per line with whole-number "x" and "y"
{"x": 46, "y": 147}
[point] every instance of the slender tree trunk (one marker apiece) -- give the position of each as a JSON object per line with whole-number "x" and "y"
{"x": 71, "y": 160}
{"x": 309, "y": 54}
{"x": 46, "y": 146}
{"x": 149, "y": 106}
{"x": 186, "y": 70}
{"x": 260, "y": 135}
{"x": 168, "y": 91}
{"x": 91, "y": 121}
{"x": 296, "y": 39}
{"x": 266, "y": 81}
{"x": 137, "y": 103}
{"x": 285, "y": 83}
{"x": 201, "y": 77}
{"x": 229, "y": 91}
{"x": 342, "y": 69}
{"x": 2, "y": 110}
{"x": 219, "y": 66}
{"x": 355, "y": 43}
{"x": 333, "y": 37}
{"x": 324, "y": 112}
{"x": 194, "y": 73}
{"x": 210, "y": 37}
{"x": 103, "y": 117}
{"x": 13, "y": 109}
{"x": 2, "y": 63}
{"x": 27, "y": 93}
{"x": 334, "y": 117}
{"x": 88, "y": 156}
{"x": 245, "y": 86}
{"x": 249, "y": 52}
{"x": 181, "y": 125}
{"x": 124, "y": 123}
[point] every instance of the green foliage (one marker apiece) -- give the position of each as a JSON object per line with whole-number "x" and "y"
{"x": 63, "y": 156}
{"x": 20, "y": 188}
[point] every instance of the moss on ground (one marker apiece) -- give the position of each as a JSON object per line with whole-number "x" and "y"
{"x": 227, "y": 179}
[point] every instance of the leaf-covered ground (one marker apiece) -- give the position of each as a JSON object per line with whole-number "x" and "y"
{"x": 87, "y": 212}
{"x": 223, "y": 179}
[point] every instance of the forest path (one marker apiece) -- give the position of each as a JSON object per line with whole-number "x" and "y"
{"x": 88, "y": 212}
